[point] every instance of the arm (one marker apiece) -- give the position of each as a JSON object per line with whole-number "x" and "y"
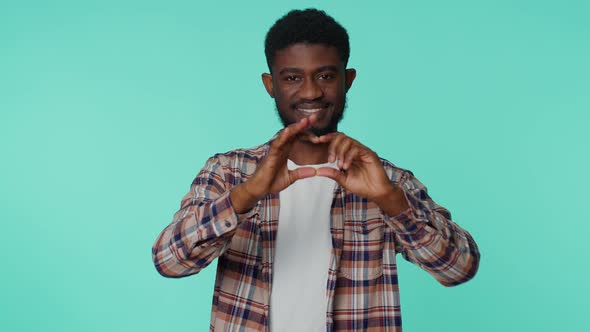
{"x": 210, "y": 213}
{"x": 427, "y": 237}
{"x": 425, "y": 234}
{"x": 202, "y": 228}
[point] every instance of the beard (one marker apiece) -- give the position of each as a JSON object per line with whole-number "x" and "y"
{"x": 331, "y": 127}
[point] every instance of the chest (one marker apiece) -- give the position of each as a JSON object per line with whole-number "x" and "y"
{"x": 357, "y": 235}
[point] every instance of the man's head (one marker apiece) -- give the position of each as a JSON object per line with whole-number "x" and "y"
{"x": 309, "y": 26}
{"x": 307, "y": 52}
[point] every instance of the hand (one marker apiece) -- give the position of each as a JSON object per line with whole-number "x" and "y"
{"x": 360, "y": 172}
{"x": 272, "y": 175}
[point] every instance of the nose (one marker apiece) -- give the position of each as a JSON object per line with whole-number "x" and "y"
{"x": 310, "y": 90}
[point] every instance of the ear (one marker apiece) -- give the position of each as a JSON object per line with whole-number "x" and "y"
{"x": 350, "y": 75}
{"x": 267, "y": 81}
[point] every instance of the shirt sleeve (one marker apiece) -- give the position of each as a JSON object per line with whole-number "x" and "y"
{"x": 427, "y": 237}
{"x": 203, "y": 227}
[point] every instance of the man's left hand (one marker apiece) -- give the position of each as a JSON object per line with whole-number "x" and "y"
{"x": 361, "y": 172}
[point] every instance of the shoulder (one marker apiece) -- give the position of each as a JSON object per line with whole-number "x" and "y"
{"x": 247, "y": 155}
{"x": 238, "y": 162}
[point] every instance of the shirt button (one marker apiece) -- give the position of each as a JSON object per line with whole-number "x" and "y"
{"x": 227, "y": 224}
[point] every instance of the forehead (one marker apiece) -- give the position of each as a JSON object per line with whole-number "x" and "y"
{"x": 306, "y": 57}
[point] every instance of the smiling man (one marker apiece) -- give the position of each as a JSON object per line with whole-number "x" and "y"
{"x": 306, "y": 227}
{"x": 308, "y": 79}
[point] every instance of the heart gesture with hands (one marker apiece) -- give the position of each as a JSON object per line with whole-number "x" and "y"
{"x": 272, "y": 175}
{"x": 360, "y": 171}
{"x": 360, "y": 168}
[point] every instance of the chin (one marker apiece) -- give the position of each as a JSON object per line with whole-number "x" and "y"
{"x": 321, "y": 131}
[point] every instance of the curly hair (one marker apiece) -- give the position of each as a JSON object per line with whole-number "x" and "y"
{"x": 310, "y": 26}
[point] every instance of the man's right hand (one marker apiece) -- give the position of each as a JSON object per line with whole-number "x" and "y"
{"x": 272, "y": 175}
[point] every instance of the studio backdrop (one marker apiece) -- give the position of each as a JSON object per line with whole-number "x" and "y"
{"x": 108, "y": 109}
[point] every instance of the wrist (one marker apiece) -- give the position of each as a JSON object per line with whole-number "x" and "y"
{"x": 392, "y": 201}
{"x": 242, "y": 198}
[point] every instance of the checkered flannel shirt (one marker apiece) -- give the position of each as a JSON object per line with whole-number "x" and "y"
{"x": 362, "y": 289}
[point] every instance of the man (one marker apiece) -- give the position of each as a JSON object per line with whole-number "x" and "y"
{"x": 306, "y": 227}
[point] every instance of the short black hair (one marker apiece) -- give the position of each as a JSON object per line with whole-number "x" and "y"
{"x": 310, "y": 26}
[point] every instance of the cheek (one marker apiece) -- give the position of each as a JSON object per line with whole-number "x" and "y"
{"x": 280, "y": 99}
{"x": 285, "y": 95}
{"x": 283, "y": 101}
{"x": 334, "y": 90}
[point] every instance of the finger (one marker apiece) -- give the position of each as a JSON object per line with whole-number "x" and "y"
{"x": 304, "y": 123}
{"x": 301, "y": 132}
{"x": 301, "y": 173}
{"x": 312, "y": 119}
{"x": 292, "y": 130}
{"x": 296, "y": 129}
{"x": 307, "y": 136}
{"x": 332, "y": 173}
{"x": 310, "y": 137}
{"x": 327, "y": 138}
{"x": 287, "y": 136}
{"x": 350, "y": 156}
{"x": 342, "y": 148}
{"x": 335, "y": 142}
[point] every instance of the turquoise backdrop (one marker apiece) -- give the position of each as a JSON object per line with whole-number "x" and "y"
{"x": 108, "y": 109}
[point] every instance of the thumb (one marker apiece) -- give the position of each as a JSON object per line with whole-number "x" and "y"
{"x": 301, "y": 173}
{"x": 332, "y": 173}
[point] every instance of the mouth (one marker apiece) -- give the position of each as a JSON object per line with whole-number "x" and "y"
{"x": 310, "y": 111}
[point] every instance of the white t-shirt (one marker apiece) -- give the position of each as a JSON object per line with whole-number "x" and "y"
{"x": 298, "y": 301}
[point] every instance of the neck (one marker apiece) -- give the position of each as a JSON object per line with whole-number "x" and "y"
{"x": 308, "y": 153}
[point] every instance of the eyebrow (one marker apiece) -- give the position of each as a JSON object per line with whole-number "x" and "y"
{"x": 297, "y": 70}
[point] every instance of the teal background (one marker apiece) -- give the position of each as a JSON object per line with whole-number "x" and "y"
{"x": 108, "y": 109}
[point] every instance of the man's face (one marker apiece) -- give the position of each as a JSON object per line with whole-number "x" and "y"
{"x": 309, "y": 79}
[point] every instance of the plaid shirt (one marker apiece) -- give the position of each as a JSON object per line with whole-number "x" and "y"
{"x": 362, "y": 289}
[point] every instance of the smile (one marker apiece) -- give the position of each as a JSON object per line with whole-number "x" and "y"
{"x": 309, "y": 110}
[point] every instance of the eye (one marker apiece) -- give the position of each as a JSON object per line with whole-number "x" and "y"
{"x": 292, "y": 78}
{"x": 326, "y": 76}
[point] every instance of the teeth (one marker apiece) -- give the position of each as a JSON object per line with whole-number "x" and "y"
{"x": 310, "y": 110}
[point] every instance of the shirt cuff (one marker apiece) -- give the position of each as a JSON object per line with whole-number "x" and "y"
{"x": 243, "y": 216}
{"x": 406, "y": 222}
